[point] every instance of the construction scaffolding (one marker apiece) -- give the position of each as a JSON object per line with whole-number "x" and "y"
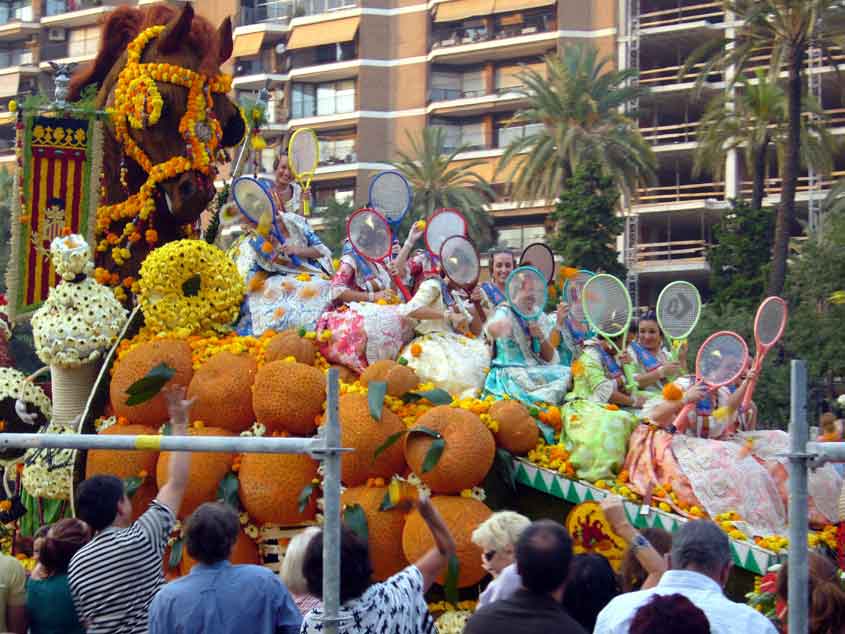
{"x": 632, "y": 230}
{"x": 325, "y": 448}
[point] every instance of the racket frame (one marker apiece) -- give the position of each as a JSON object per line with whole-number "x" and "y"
{"x": 467, "y": 287}
{"x": 394, "y": 224}
{"x": 677, "y": 342}
{"x": 274, "y": 222}
{"x": 762, "y": 349}
{"x": 551, "y": 276}
{"x": 681, "y": 420}
{"x": 443, "y": 210}
{"x": 398, "y": 282}
{"x": 629, "y": 372}
{"x": 304, "y": 178}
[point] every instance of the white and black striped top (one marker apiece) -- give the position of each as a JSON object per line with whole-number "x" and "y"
{"x": 114, "y": 577}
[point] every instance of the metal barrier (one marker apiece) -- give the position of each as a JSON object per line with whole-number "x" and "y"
{"x": 325, "y": 448}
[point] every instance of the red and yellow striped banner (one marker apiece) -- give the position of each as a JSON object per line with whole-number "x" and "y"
{"x": 58, "y": 194}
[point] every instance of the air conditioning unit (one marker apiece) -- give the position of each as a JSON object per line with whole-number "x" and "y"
{"x": 57, "y": 35}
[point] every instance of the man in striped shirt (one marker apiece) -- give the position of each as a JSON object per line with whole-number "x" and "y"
{"x": 114, "y": 577}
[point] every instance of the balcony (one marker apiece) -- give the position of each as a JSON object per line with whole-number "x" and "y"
{"x": 283, "y": 11}
{"x": 17, "y": 23}
{"x": 666, "y": 136}
{"x": 693, "y": 193}
{"x": 73, "y": 13}
{"x": 476, "y": 41}
{"x": 677, "y": 255}
{"x": 17, "y": 60}
{"x": 667, "y": 78}
{"x": 682, "y": 19}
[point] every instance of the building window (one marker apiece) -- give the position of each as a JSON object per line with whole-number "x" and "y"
{"x": 336, "y": 151}
{"x": 517, "y": 238}
{"x": 83, "y": 41}
{"x": 15, "y": 11}
{"x": 15, "y": 57}
{"x": 336, "y": 97}
{"x": 506, "y": 134}
{"x": 457, "y": 134}
{"x": 339, "y": 52}
{"x": 446, "y": 86}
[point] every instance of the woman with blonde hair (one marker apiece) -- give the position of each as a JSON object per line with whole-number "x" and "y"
{"x": 291, "y": 572}
{"x": 497, "y": 537}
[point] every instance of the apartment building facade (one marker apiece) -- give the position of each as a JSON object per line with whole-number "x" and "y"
{"x": 369, "y": 74}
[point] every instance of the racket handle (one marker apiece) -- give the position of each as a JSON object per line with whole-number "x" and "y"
{"x": 461, "y": 306}
{"x": 402, "y": 289}
{"x": 681, "y": 421}
{"x": 749, "y": 393}
{"x": 306, "y": 206}
{"x": 294, "y": 259}
{"x": 535, "y": 345}
{"x": 630, "y": 381}
{"x": 481, "y": 314}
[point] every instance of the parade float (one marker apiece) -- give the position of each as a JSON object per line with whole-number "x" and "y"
{"x": 126, "y": 294}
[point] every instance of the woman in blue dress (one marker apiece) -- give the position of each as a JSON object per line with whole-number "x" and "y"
{"x": 519, "y": 372}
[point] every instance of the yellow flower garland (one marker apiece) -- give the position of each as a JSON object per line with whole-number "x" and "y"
{"x": 138, "y": 103}
{"x": 167, "y": 277}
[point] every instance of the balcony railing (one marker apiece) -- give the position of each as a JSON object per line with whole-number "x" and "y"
{"x": 459, "y": 35}
{"x": 712, "y": 12}
{"x": 656, "y": 254}
{"x": 668, "y": 76}
{"x": 835, "y": 117}
{"x": 663, "y": 194}
{"x": 661, "y": 135}
{"x": 285, "y": 10}
{"x": 774, "y": 186}
{"x": 61, "y": 50}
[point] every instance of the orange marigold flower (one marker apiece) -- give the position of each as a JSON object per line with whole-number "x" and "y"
{"x": 128, "y": 281}
{"x": 266, "y": 248}
{"x": 569, "y": 272}
{"x": 416, "y": 349}
{"x": 577, "y": 368}
{"x": 66, "y": 231}
{"x": 612, "y": 407}
{"x": 672, "y": 392}
{"x": 151, "y": 236}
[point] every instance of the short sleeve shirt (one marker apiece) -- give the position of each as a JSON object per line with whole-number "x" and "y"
{"x": 395, "y": 606}
{"x": 114, "y": 577}
{"x": 12, "y": 586}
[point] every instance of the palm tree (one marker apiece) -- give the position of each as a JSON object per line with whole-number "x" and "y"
{"x": 753, "y": 121}
{"x": 437, "y": 183}
{"x": 578, "y": 109}
{"x": 6, "y": 204}
{"x": 781, "y": 32}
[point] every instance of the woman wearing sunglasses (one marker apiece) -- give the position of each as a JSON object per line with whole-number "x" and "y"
{"x": 497, "y": 537}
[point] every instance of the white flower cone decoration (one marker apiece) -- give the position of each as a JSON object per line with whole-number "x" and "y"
{"x": 73, "y": 330}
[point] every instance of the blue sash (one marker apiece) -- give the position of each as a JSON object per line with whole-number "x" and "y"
{"x": 647, "y": 360}
{"x": 610, "y": 364}
{"x": 496, "y": 296}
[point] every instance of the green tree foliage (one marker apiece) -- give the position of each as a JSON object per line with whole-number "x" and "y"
{"x": 437, "y": 182}
{"x": 740, "y": 256}
{"x": 586, "y": 223}
{"x": 6, "y": 193}
{"x": 578, "y": 113}
{"x": 333, "y": 230}
{"x": 781, "y": 31}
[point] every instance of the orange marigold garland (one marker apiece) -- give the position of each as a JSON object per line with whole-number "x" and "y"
{"x": 137, "y": 104}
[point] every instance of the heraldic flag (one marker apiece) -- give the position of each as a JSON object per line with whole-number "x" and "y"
{"x": 57, "y": 192}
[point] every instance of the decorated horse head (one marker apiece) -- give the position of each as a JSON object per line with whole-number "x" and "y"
{"x": 158, "y": 73}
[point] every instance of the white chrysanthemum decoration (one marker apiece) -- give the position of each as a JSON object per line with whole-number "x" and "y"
{"x": 81, "y": 319}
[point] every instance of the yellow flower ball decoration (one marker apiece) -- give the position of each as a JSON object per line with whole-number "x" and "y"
{"x": 190, "y": 286}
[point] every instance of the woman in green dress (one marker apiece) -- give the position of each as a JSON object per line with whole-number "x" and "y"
{"x": 49, "y": 605}
{"x": 595, "y": 429}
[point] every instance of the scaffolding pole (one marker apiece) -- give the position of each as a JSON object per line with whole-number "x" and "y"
{"x": 325, "y": 448}
{"x": 798, "y": 587}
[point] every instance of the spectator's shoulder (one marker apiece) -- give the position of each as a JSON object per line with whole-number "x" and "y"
{"x": 621, "y": 609}
{"x": 756, "y": 622}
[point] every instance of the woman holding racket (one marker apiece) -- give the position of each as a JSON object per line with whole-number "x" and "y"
{"x": 652, "y": 361}
{"x": 525, "y": 365}
{"x": 441, "y": 354}
{"x": 286, "y": 270}
{"x": 595, "y": 428}
{"x": 365, "y": 324}
{"x": 286, "y": 192}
